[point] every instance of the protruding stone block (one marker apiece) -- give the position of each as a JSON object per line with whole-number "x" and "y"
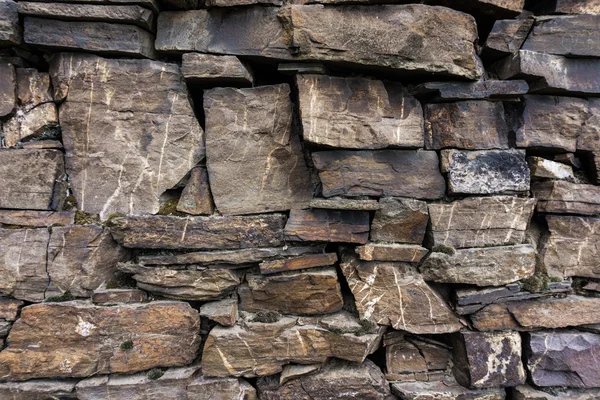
{"x": 195, "y": 197}
{"x": 400, "y": 220}
{"x": 213, "y": 70}
{"x": 566, "y": 35}
{"x": 410, "y": 253}
{"x": 560, "y": 197}
{"x": 328, "y": 226}
{"x": 507, "y": 36}
{"x": 8, "y": 85}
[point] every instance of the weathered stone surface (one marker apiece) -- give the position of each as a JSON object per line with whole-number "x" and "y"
{"x": 10, "y": 31}
{"x": 402, "y": 173}
{"x": 134, "y": 15}
{"x": 38, "y": 389}
{"x": 143, "y": 106}
{"x": 410, "y": 253}
{"x": 507, "y": 36}
{"x": 564, "y": 358}
{"x": 394, "y": 294}
{"x": 233, "y": 3}
{"x": 195, "y": 198}
{"x": 253, "y": 348}
{"x": 338, "y": 203}
{"x": 337, "y": 379}
{"x": 562, "y": 197}
{"x": 486, "y": 171}
{"x": 480, "y": 90}
{"x": 328, "y": 226}
{"x": 293, "y": 371}
{"x": 41, "y": 145}
{"x": 224, "y": 312}
{"x": 207, "y": 284}
{"x": 556, "y": 312}
{"x": 36, "y": 218}
{"x": 410, "y": 359}
{"x": 214, "y": 70}
{"x": 29, "y": 125}
{"x": 33, "y": 187}
{"x": 492, "y": 266}
{"x": 203, "y": 388}
{"x": 549, "y": 73}
{"x": 400, "y": 220}
{"x": 547, "y": 169}
{"x": 443, "y": 391}
{"x": 589, "y": 138}
{"x": 33, "y": 88}
{"x": 199, "y": 232}
{"x": 471, "y": 125}
{"x": 481, "y": 221}
{"x": 358, "y": 113}
{"x": 567, "y": 35}
{"x": 77, "y": 339}
{"x": 495, "y": 8}
{"x": 111, "y": 296}
{"x": 9, "y": 309}
{"x": 292, "y": 68}
{"x": 525, "y": 392}
{"x": 296, "y": 263}
{"x": 571, "y": 7}
{"x": 571, "y": 248}
{"x": 149, "y": 4}
{"x": 254, "y": 158}
{"x": 484, "y": 360}
{"x": 8, "y": 84}
{"x": 495, "y": 317}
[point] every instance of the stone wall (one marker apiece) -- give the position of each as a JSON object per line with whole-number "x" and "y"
{"x": 325, "y": 199}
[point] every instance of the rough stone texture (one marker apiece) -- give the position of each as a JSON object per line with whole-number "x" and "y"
{"x": 471, "y": 125}
{"x": 410, "y": 359}
{"x": 34, "y": 186}
{"x": 493, "y": 266}
{"x": 358, "y": 113}
{"x": 338, "y": 203}
{"x": 562, "y": 197}
{"x": 143, "y": 106}
{"x": 546, "y": 169}
{"x": 296, "y": 263}
{"x": 98, "y": 37}
{"x": 571, "y": 248}
{"x": 524, "y": 392}
{"x": 254, "y": 158}
{"x": 33, "y": 87}
{"x": 26, "y": 218}
{"x": 394, "y": 294}
{"x": 303, "y": 292}
{"x": 196, "y": 198}
{"x": 213, "y": 70}
{"x": 556, "y": 312}
{"x": 163, "y": 232}
{"x": 480, "y": 90}
{"x": 112, "y": 296}
{"x": 443, "y": 391}
{"x": 486, "y": 171}
{"x": 224, "y": 312}
{"x": 10, "y": 32}
{"x": 77, "y": 339}
{"x": 589, "y": 137}
{"x": 9, "y": 309}
{"x": 328, "y": 226}
{"x": 507, "y": 36}
{"x": 38, "y": 389}
{"x": 8, "y": 85}
{"x": 564, "y": 358}
{"x": 30, "y": 125}
{"x": 483, "y": 360}
{"x": 572, "y": 7}
{"x": 400, "y": 220}
{"x": 481, "y": 221}
{"x": 227, "y": 388}
{"x": 494, "y": 317}
{"x": 402, "y": 173}
{"x": 567, "y": 35}
{"x": 337, "y": 379}
{"x": 252, "y": 348}
{"x": 410, "y": 253}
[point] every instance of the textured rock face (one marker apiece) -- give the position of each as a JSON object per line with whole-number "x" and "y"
{"x": 270, "y": 173}
{"x": 224, "y": 312}
{"x": 569, "y": 35}
{"x": 393, "y": 294}
{"x": 112, "y": 296}
{"x": 481, "y": 221}
{"x": 483, "y": 360}
{"x": 410, "y": 359}
{"x": 564, "y": 358}
{"x": 567, "y": 198}
{"x": 402, "y": 173}
{"x": 328, "y": 226}
{"x": 480, "y": 90}
{"x": 400, "y": 220}
{"x": 573, "y": 7}
{"x": 543, "y": 168}
{"x": 524, "y": 392}
{"x": 443, "y": 391}
{"x": 38, "y": 389}
{"x": 195, "y": 197}
{"x": 77, "y": 339}
{"x": 33, "y": 87}
{"x": 410, "y": 253}
{"x": 556, "y": 312}
{"x": 10, "y": 33}
{"x": 208, "y": 69}
{"x": 253, "y": 348}
{"x": 493, "y": 266}
{"x": 358, "y": 113}
{"x": 8, "y": 87}
{"x": 144, "y": 107}
{"x": 471, "y": 125}
{"x": 507, "y": 36}
{"x": 30, "y": 125}
{"x": 296, "y": 263}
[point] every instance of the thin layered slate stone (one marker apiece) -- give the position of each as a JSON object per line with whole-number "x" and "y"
{"x": 470, "y": 125}
{"x": 408, "y": 359}
{"x": 78, "y": 339}
{"x": 162, "y": 232}
{"x": 400, "y": 220}
{"x": 10, "y": 308}
{"x": 480, "y": 90}
{"x": 567, "y": 358}
{"x": 111, "y": 296}
{"x": 36, "y": 218}
{"x": 358, "y": 113}
{"x": 493, "y": 266}
{"x": 338, "y": 203}
{"x": 589, "y": 138}
{"x": 525, "y": 392}
{"x": 10, "y": 30}
{"x": 495, "y": 8}
{"x": 507, "y": 36}
{"x": 402, "y": 173}
{"x": 33, "y": 187}
{"x": 547, "y": 169}
{"x": 397, "y": 37}
{"x": 210, "y": 69}
{"x": 98, "y": 37}
{"x": 303, "y": 292}
{"x": 134, "y": 15}
{"x": 393, "y": 294}
{"x": 8, "y": 88}
{"x": 144, "y": 107}
{"x": 571, "y": 248}
{"x": 591, "y": 7}
{"x": 328, "y": 226}
{"x": 562, "y": 197}
{"x": 556, "y": 312}
{"x": 486, "y": 171}
{"x": 38, "y": 389}
{"x": 224, "y": 312}
{"x": 254, "y": 157}
{"x": 566, "y": 35}
{"x": 481, "y": 221}
{"x": 410, "y": 253}
{"x": 296, "y": 263}
{"x": 444, "y": 391}
{"x": 253, "y": 348}
{"x": 149, "y": 4}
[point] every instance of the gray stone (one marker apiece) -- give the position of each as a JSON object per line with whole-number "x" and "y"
{"x": 36, "y": 219}
{"x": 589, "y": 138}
{"x": 400, "y": 220}
{"x": 327, "y": 226}
{"x": 215, "y": 70}
{"x": 33, "y": 124}
{"x": 571, "y": 7}
{"x": 38, "y": 389}
{"x": 8, "y": 86}
{"x": 566, "y": 35}
{"x": 507, "y": 36}
{"x": 443, "y": 391}
{"x": 204, "y": 388}
{"x": 410, "y": 253}
{"x": 195, "y": 197}
{"x": 542, "y": 168}
{"x": 33, "y": 88}
{"x": 525, "y": 392}
{"x": 480, "y": 90}
{"x": 10, "y": 30}
{"x": 339, "y": 203}
{"x": 233, "y": 3}
{"x": 562, "y": 197}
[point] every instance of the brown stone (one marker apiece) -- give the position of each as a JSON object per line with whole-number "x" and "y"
{"x": 402, "y": 173}
{"x": 254, "y": 157}
{"x": 8, "y": 82}
{"x": 481, "y": 221}
{"x": 296, "y": 263}
{"x": 34, "y": 124}
{"x": 525, "y": 392}
{"x": 111, "y": 296}
{"x": 566, "y": 35}
{"x": 495, "y": 317}
{"x": 9, "y": 309}
{"x": 203, "y": 388}
{"x": 143, "y": 106}
{"x": 556, "y": 312}
{"x": 36, "y": 218}
{"x": 471, "y": 125}
{"x": 10, "y": 30}
{"x": 409, "y": 359}
{"x": 562, "y": 197}
{"x": 195, "y": 198}
{"x": 410, "y": 253}
{"x": 77, "y": 339}
{"x": 443, "y": 391}
{"x": 589, "y": 137}
{"x": 214, "y": 70}
{"x": 328, "y": 226}
{"x": 480, "y": 90}
{"x": 400, "y": 220}
{"x": 542, "y": 168}
{"x": 224, "y": 312}
{"x": 358, "y": 113}
{"x": 199, "y": 232}
{"x": 507, "y": 36}
{"x": 33, "y": 87}
{"x": 316, "y": 291}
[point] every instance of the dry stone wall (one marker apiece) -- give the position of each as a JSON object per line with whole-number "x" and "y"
{"x": 292, "y": 199}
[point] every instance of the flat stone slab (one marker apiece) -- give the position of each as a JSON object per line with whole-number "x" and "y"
{"x": 443, "y": 390}
{"x": 547, "y": 169}
{"x": 10, "y": 30}
{"x": 215, "y": 70}
{"x": 481, "y": 90}
{"x": 296, "y": 263}
{"x": 566, "y": 35}
{"x": 560, "y": 197}
{"x": 320, "y": 225}
{"x": 556, "y": 312}
{"x": 8, "y": 87}
{"x": 400, "y": 220}
{"x": 525, "y": 392}
{"x": 26, "y": 218}
{"x": 507, "y": 36}
{"x": 410, "y": 253}
{"x": 338, "y": 203}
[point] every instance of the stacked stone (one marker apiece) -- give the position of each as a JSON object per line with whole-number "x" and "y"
{"x": 299, "y": 200}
